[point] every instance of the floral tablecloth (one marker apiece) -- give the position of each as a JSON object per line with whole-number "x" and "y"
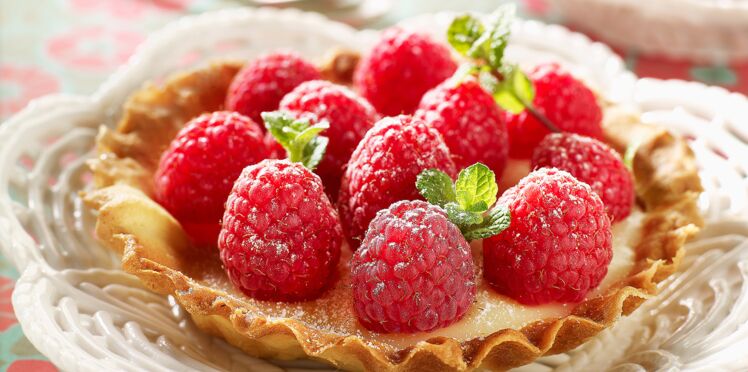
{"x": 71, "y": 46}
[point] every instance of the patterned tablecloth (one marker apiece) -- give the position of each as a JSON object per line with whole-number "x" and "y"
{"x": 50, "y": 46}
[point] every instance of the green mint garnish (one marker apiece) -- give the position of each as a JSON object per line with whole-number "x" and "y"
{"x": 461, "y": 217}
{"x": 476, "y": 188}
{"x": 484, "y": 45}
{"x": 515, "y": 92}
{"x": 463, "y": 33}
{"x": 298, "y": 137}
{"x": 467, "y": 201}
{"x": 436, "y": 186}
{"x": 497, "y": 221}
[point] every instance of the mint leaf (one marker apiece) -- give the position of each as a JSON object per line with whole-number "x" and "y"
{"x": 307, "y": 134}
{"x": 471, "y": 38}
{"x": 436, "y": 186}
{"x": 280, "y": 125}
{"x": 486, "y": 44}
{"x": 463, "y": 32}
{"x": 515, "y": 92}
{"x": 476, "y": 188}
{"x": 478, "y": 207}
{"x": 508, "y": 102}
{"x": 497, "y": 220}
{"x": 298, "y": 137}
{"x": 520, "y": 85}
{"x": 460, "y": 217}
{"x": 313, "y": 152}
{"x": 498, "y": 30}
{"x": 467, "y": 201}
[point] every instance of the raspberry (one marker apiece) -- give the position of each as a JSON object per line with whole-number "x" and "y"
{"x": 470, "y": 122}
{"x": 276, "y": 150}
{"x": 349, "y": 116}
{"x": 196, "y": 172}
{"x": 281, "y": 237}
{"x": 413, "y": 272}
{"x": 261, "y": 84}
{"x": 401, "y": 67}
{"x": 383, "y": 169}
{"x": 565, "y": 101}
{"x": 593, "y": 163}
{"x": 558, "y": 245}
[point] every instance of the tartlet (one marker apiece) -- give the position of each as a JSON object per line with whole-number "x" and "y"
{"x": 156, "y": 249}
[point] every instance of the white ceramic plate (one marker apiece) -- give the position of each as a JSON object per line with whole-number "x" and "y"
{"x": 78, "y": 308}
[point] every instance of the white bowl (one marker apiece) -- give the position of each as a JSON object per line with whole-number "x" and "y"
{"x": 79, "y": 309}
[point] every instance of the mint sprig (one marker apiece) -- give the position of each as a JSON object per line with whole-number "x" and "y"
{"x": 298, "y": 137}
{"x": 515, "y": 92}
{"x": 467, "y": 201}
{"x": 484, "y": 45}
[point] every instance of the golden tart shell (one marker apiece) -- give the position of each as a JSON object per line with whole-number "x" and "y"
{"x": 154, "y": 247}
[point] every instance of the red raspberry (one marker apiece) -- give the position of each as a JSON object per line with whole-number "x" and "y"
{"x": 384, "y": 167}
{"x": 558, "y": 244}
{"x": 261, "y": 84}
{"x": 401, "y": 67}
{"x": 349, "y": 115}
{"x": 281, "y": 237}
{"x": 414, "y": 271}
{"x": 276, "y": 150}
{"x": 567, "y": 102}
{"x": 593, "y": 163}
{"x": 470, "y": 122}
{"x": 196, "y": 173}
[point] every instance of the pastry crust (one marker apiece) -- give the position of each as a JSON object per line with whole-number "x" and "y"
{"x": 155, "y": 248}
